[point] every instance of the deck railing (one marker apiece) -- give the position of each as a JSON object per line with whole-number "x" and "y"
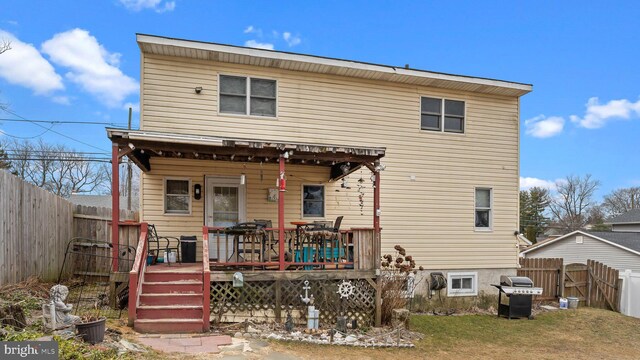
{"x": 136, "y": 275}
{"x": 206, "y": 279}
{"x": 307, "y": 250}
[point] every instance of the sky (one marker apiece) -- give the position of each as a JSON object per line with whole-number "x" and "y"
{"x": 78, "y": 61}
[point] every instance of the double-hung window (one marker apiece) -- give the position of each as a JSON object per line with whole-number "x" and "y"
{"x": 177, "y": 196}
{"x": 442, "y": 115}
{"x": 247, "y": 96}
{"x": 483, "y": 208}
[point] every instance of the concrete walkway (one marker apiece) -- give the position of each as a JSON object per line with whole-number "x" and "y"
{"x": 185, "y": 343}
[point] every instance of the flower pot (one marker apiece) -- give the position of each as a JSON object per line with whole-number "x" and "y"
{"x": 92, "y": 331}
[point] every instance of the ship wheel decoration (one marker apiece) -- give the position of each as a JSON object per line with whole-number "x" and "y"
{"x": 345, "y": 289}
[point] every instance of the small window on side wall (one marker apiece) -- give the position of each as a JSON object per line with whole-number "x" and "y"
{"x": 313, "y": 201}
{"x": 462, "y": 284}
{"x": 177, "y": 196}
{"x": 483, "y": 209}
{"x": 441, "y": 115}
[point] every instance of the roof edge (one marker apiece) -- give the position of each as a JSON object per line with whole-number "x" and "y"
{"x": 315, "y": 59}
{"x": 583, "y": 233}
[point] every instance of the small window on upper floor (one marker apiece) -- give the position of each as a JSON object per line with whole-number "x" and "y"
{"x": 435, "y": 112}
{"x": 247, "y": 96}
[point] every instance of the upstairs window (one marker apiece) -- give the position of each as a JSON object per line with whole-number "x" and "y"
{"x": 247, "y": 96}
{"x": 442, "y": 115}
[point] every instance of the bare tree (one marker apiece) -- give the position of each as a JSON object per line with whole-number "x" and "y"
{"x": 5, "y": 46}
{"x": 573, "y": 201}
{"x": 620, "y": 201}
{"x": 55, "y": 168}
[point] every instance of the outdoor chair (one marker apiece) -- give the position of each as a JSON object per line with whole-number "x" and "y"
{"x": 326, "y": 238}
{"x": 154, "y": 240}
{"x": 248, "y": 239}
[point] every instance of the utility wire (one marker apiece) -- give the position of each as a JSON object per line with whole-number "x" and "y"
{"x": 53, "y": 131}
{"x": 57, "y": 122}
{"x": 27, "y": 137}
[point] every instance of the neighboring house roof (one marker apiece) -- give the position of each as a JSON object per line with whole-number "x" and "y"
{"x": 629, "y": 241}
{"x": 101, "y": 200}
{"x": 630, "y": 217}
{"x": 161, "y": 45}
{"x": 523, "y": 241}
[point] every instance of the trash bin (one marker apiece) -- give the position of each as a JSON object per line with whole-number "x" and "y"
{"x": 573, "y": 302}
{"x": 188, "y": 248}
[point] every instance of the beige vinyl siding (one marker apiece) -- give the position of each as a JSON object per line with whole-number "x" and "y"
{"x": 433, "y": 216}
{"x": 590, "y": 249}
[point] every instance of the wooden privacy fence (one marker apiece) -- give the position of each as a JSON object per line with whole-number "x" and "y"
{"x": 36, "y": 226}
{"x": 545, "y": 273}
{"x": 594, "y": 283}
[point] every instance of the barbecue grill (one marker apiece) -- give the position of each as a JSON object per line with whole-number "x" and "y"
{"x": 519, "y": 291}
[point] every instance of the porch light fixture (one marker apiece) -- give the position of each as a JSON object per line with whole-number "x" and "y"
{"x": 196, "y": 154}
{"x": 131, "y": 146}
{"x": 198, "y": 89}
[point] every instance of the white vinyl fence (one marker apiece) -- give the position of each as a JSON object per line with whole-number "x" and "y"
{"x": 630, "y": 296}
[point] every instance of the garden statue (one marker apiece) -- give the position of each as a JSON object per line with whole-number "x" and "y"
{"x": 60, "y": 312}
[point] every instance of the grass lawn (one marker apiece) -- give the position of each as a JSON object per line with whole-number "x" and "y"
{"x": 582, "y": 334}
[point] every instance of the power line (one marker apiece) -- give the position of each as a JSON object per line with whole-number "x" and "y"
{"x": 53, "y": 131}
{"x": 29, "y": 151}
{"x": 27, "y": 137}
{"x": 57, "y": 122}
{"x": 104, "y": 160}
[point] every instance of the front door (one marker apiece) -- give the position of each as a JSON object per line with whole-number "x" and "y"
{"x": 225, "y": 206}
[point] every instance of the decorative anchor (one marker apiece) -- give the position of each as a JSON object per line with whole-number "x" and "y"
{"x": 306, "y": 299}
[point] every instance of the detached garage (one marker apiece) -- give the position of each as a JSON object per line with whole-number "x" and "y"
{"x": 619, "y": 250}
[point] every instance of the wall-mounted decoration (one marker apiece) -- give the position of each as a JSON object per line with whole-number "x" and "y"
{"x": 272, "y": 196}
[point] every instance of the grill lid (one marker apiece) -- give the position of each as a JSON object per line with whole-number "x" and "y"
{"x": 516, "y": 281}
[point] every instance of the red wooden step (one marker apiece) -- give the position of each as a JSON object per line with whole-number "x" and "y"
{"x": 171, "y": 299}
{"x": 172, "y": 287}
{"x": 169, "y": 326}
{"x": 172, "y": 276}
{"x": 169, "y": 312}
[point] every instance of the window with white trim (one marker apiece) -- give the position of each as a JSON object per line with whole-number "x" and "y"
{"x": 247, "y": 96}
{"x": 177, "y": 196}
{"x": 435, "y": 112}
{"x": 483, "y": 208}
{"x": 462, "y": 284}
{"x": 313, "y": 201}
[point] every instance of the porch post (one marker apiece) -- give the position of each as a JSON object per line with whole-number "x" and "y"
{"x": 282, "y": 188}
{"x": 376, "y": 203}
{"x": 115, "y": 205}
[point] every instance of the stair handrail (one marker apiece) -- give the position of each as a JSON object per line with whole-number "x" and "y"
{"x": 206, "y": 280}
{"x": 136, "y": 275}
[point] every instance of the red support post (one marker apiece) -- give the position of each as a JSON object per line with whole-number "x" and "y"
{"x": 376, "y": 203}
{"x": 115, "y": 205}
{"x": 282, "y": 182}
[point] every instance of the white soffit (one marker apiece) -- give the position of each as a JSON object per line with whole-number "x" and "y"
{"x": 307, "y": 63}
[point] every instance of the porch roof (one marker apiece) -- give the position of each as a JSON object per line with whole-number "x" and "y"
{"x": 140, "y": 146}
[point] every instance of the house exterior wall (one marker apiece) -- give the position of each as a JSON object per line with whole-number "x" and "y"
{"x": 626, "y": 227}
{"x": 432, "y": 216}
{"x": 590, "y": 249}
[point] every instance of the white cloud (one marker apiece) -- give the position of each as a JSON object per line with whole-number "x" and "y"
{"x": 62, "y": 100}
{"x": 249, "y": 29}
{"x": 23, "y": 65}
{"x": 527, "y": 183}
{"x": 597, "y": 115}
{"x": 258, "y": 45}
{"x": 158, "y": 6}
{"x": 135, "y": 107}
{"x": 91, "y": 66}
{"x": 544, "y": 127}
{"x": 291, "y": 40}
